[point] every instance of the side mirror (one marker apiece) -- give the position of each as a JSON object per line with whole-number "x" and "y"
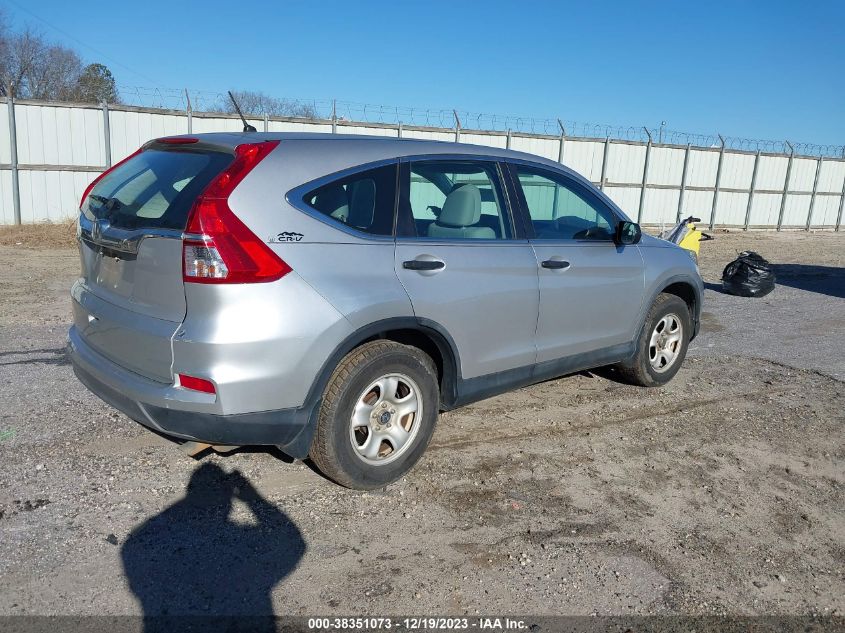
{"x": 627, "y": 233}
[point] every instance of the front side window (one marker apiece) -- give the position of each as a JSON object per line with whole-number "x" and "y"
{"x": 454, "y": 200}
{"x": 563, "y": 210}
{"x": 363, "y": 201}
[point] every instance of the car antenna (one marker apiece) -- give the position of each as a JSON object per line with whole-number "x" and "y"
{"x": 247, "y": 126}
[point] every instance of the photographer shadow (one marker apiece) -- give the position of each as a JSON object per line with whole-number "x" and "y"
{"x": 193, "y": 567}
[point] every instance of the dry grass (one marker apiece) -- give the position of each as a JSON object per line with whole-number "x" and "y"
{"x": 40, "y": 235}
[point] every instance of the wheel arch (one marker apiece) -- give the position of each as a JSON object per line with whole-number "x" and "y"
{"x": 686, "y": 291}
{"x": 424, "y": 334}
{"x": 682, "y": 286}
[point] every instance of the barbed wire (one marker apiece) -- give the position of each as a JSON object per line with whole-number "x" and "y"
{"x": 211, "y": 101}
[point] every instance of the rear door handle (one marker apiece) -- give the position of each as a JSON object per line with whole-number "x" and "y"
{"x": 423, "y": 264}
{"x": 555, "y": 264}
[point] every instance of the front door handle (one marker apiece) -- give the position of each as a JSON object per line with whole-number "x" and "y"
{"x": 555, "y": 264}
{"x": 423, "y": 264}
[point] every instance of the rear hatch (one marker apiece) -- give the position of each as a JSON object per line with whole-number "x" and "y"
{"x": 131, "y": 298}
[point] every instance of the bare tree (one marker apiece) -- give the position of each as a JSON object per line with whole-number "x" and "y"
{"x": 32, "y": 68}
{"x": 19, "y": 55}
{"x": 54, "y": 74}
{"x": 260, "y": 103}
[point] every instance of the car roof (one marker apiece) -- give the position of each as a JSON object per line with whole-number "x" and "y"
{"x": 362, "y": 149}
{"x": 391, "y": 147}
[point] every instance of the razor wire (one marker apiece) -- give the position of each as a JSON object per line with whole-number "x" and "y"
{"x": 449, "y": 118}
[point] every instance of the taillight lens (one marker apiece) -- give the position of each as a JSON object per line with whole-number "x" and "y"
{"x": 219, "y": 248}
{"x": 203, "y": 261}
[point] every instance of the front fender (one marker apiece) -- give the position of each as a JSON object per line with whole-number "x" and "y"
{"x": 664, "y": 267}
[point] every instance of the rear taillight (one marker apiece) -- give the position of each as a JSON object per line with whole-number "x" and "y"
{"x": 103, "y": 175}
{"x": 218, "y": 247}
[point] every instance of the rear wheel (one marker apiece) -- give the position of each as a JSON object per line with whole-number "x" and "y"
{"x": 662, "y": 345}
{"x": 377, "y": 416}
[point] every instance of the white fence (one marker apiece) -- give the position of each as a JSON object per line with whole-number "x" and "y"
{"x": 49, "y": 152}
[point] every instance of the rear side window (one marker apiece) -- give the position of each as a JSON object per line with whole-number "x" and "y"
{"x": 458, "y": 199}
{"x": 363, "y": 201}
{"x": 154, "y": 189}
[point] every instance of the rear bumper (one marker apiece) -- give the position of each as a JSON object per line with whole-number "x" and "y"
{"x": 175, "y": 412}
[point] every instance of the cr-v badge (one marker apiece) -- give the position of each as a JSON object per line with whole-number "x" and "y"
{"x": 287, "y": 236}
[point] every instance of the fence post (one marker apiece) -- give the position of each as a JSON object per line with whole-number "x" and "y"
{"x": 683, "y": 184}
{"x": 189, "y": 112}
{"x": 813, "y": 197}
{"x": 604, "y": 162}
{"x": 841, "y": 206}
{"x": 266, "y": 122}
{"x": 457, "y": 127}
{"x": 562, "y": 140}
{"x": 508, "y": 140}
{"x": 13, "y": 146}
{"x": 786, "y": 185}
{"x": 400, "y": 129}
{"x": 751, "y": 192}
{"x": 718, "y": 184}
{"x": 106, "y": 133}
{"x": 645, "y": 177}
{"x": 334, "y": 118}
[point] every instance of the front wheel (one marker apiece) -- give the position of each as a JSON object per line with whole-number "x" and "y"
{"x": 377, "y": 416}
{"x": 662, "y": 344}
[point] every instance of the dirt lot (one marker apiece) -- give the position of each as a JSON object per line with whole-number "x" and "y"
{"x": 722, "y": 493}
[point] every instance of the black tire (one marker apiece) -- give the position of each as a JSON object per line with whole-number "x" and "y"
{"x": 333, "y": 451}
{"x": 639, "y": 370}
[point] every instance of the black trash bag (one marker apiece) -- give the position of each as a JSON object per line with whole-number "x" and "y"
{"x": 749, "y": 275}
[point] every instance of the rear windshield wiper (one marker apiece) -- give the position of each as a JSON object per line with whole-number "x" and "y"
{"x": 111, "y": 205}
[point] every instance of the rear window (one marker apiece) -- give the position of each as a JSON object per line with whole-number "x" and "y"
{"x": 154, "y": 189}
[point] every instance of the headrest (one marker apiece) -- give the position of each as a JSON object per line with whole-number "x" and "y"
{"x": 462, "y": 207}
{"x": 332, "y": 201}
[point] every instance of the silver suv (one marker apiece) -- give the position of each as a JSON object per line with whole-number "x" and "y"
{"x": 330, "y": 295}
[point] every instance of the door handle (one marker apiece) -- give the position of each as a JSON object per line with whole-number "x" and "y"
{"x": 555, "y": 264}
{"x": 423, "y": 264}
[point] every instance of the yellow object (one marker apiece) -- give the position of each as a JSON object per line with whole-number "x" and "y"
{"x": 692, "y": 240}
{"x": 687, "y": 236}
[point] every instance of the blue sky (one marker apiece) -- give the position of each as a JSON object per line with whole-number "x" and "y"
{"x": 767, "y": 69}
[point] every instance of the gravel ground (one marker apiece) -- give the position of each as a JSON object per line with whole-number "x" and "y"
{"x": 721, "y": 493}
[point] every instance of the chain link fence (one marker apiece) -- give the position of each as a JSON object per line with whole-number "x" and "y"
{"x": 210, "y": 101}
